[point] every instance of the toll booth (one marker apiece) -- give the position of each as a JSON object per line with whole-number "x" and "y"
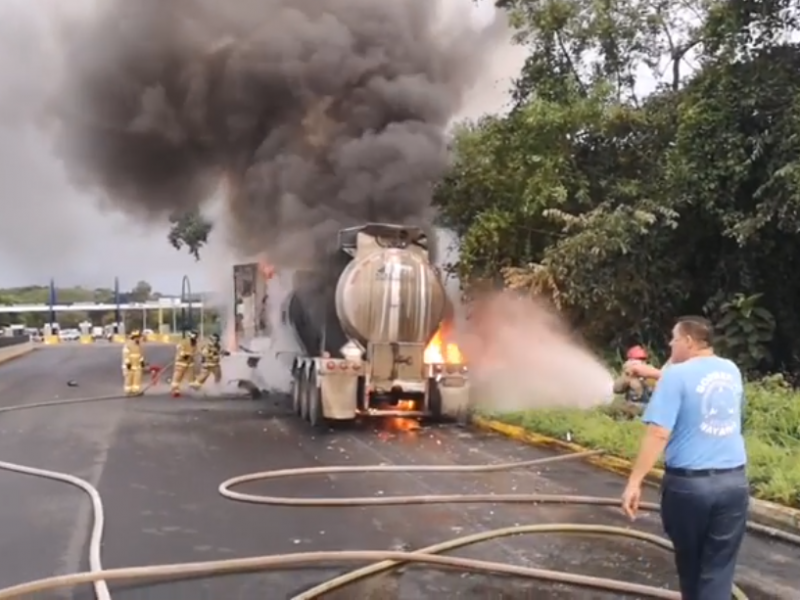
{"x": 85, "y": 328}
{"x": 50, "y": 334}
{"x": 119, "y": 333}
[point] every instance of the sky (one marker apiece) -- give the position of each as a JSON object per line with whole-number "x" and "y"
{"x": 50, "y": 229}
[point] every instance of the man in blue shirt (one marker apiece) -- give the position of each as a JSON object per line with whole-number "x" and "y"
{"x": 695, "y": 417}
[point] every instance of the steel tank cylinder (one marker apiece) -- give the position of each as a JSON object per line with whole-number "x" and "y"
{"x": 392, "y": 295}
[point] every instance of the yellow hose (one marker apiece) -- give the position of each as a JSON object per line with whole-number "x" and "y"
{"x": 383, "y": 560}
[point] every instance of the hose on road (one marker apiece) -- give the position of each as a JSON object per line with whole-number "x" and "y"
{"x": 98, "y": 519}
{"x": 382, "y": 560}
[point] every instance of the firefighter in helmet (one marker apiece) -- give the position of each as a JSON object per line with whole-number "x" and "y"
{"x": 133, "y": 364}
{"x": 635, "y": 389}
{"x": 210, "y": 357}
{"x": 185, "y": 354}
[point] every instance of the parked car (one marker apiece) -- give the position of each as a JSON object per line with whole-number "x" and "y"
{"x": 69, "y": 335}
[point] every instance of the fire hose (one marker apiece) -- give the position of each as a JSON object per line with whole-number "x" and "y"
{"x": 381, "y": 560}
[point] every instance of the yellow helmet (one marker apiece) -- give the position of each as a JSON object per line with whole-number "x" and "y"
{"x": 135, "y": 334}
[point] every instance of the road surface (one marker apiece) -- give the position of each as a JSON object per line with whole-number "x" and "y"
{"x": 158, "y": 461}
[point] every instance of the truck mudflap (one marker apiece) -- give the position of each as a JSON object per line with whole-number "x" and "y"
{"x": 454, "y": 397}
{"x": 339, "y": 394}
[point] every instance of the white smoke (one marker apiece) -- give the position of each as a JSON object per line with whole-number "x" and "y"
{"x": 492, "y": 94}
{"x": 274, "y": 352}
{"x": 522, "y": 355}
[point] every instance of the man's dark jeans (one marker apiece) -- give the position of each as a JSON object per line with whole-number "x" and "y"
{"x": 705, "y": 516}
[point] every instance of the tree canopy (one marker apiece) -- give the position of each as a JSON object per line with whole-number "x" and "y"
{"x": 190, "y": 230}
{"x": 141, "y": 292}
{"x": 629, "y": 206}
{"x": 40, "y": 294}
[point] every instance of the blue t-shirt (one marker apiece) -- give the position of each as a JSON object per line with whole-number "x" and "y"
{"x": 700, "y": 402}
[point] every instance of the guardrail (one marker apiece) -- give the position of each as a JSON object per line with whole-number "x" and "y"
{"x": 14, "y": 347}
{"x": 14, "y": 340}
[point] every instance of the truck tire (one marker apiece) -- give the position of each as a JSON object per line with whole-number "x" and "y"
{"x": 303, "y": 379}
{"x": 316, "y": 415}
{"x": 297, "y": 391}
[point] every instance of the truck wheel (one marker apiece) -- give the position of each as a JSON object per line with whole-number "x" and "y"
{"x": 303, "y": 380}
{"x": 297, "y": 390}
{"x": 316, "y": 415}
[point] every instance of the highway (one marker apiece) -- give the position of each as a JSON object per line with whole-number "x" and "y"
{"x": 157, "y": 462}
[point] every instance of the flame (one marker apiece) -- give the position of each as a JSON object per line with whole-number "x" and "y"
{"x": 442, "y": 351}
{"x": 398, "y": 424}
{"x": 266, "y": 269}
{"x": 401, "y": 425}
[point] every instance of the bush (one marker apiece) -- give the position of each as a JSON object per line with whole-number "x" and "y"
{"x": 771, "y": 428}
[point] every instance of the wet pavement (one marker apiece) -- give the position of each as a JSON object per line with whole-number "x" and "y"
{"x": 158, "y": 462}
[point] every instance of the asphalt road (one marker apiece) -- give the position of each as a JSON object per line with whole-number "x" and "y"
{"x": 158, "y": 461}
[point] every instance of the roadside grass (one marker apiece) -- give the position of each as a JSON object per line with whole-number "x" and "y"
{"x": 771, "y": 428}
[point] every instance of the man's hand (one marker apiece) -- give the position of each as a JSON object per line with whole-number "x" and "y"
{"x": 631, "y": 498}
{"x": 640, "y": 369}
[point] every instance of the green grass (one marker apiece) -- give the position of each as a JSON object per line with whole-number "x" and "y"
{"x": 771, "y": 427}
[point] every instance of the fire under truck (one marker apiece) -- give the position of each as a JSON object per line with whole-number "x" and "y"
{"x": 371, "y": 329}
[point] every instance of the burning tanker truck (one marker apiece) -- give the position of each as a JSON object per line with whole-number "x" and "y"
{"x": 370, "y": 327}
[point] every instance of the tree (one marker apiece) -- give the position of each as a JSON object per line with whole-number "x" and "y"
{"x": 104, "y": 296}
{"x": 67, "y": 319}
{"x": 628, "y": 208}
{"x": 189, "y": 229}
{"x": 141, "y": 292}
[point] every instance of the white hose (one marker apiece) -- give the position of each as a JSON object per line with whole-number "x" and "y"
{"x": 382, "y": 560}
{"x": 98, "y": 521}
{"x": 98, "y": 513}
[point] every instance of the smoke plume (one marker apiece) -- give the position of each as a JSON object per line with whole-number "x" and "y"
{"x": 313, "y": 114}
{"x": 522, "y": 356}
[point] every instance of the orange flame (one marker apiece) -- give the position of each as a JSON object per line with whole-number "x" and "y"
{"x": 405, "y": 405}
{"x": 441, "y": 350}
{"x": 394, "y": 425}
{"x": 267, "y": 270}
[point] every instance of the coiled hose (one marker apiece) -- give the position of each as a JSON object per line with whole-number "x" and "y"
{"x": 382, "y": 560}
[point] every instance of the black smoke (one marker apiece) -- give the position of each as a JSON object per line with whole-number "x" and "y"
{"x": 313, "y": 114}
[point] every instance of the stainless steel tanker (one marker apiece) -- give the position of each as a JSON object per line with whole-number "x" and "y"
{"x": 365, "y": 320}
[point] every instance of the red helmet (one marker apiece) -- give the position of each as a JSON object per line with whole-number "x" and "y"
{"x": 636, "y": 353}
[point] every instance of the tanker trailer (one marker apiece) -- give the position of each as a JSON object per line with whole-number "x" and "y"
{"x": 364, "y": 320}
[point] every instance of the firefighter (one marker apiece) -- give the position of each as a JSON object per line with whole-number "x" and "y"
{"x": 133, "y": 364}
{"x": 635, "y": 389}
{"x": 185, "y": 355}
{"x": 210, "y": 357}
